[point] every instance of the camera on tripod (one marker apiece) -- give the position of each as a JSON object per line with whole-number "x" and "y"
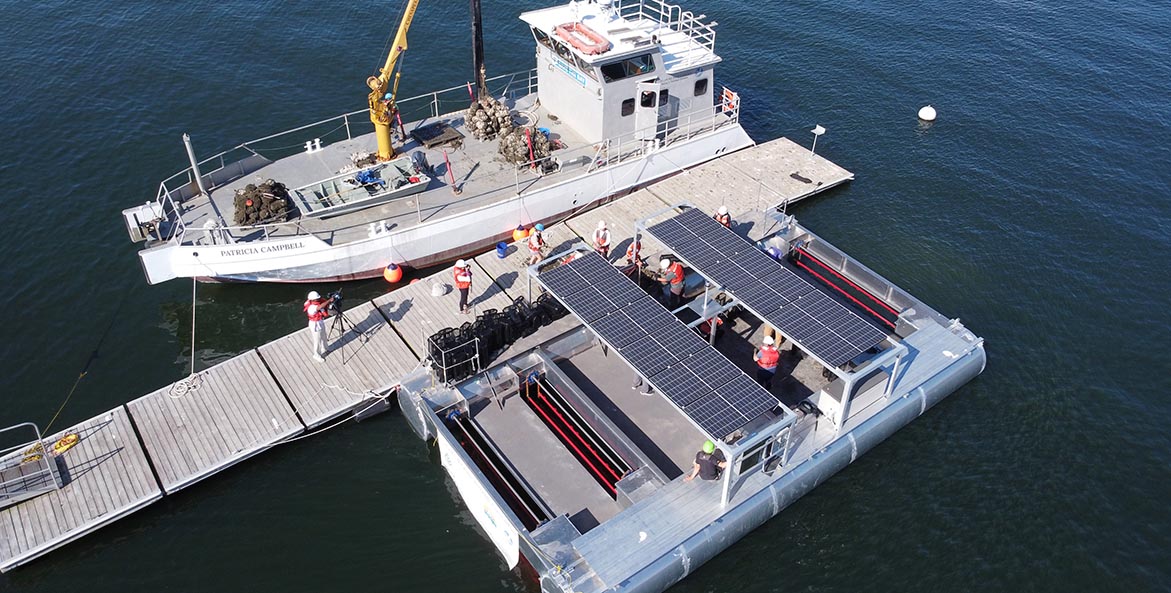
{"x": 335, "y": 302}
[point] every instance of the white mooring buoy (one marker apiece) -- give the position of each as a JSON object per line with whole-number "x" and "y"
{"x": 927, "y": 113}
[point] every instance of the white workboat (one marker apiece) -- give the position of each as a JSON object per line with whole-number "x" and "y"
{"x": 623, "y": 91}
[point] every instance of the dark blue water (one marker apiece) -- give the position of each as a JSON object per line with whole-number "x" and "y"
{"x": 1036, "y": 209}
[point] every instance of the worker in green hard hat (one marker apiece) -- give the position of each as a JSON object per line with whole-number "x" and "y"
{"x": 708, "y": 463}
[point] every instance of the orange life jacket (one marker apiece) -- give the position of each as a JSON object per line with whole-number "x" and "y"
{"x": 463, "y": 277}
{"x": 676, "y": 270}
{"x": 602, "y": 238}
{"x": 768, "y": 357}
{"x": 724, "y": 219}
{"x": 320, "y": 314}
{"x": 632, "y": 252}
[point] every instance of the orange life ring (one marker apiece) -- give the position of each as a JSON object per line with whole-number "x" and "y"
{"x": 730, "y": 101}
{"x": 583, "y": 38}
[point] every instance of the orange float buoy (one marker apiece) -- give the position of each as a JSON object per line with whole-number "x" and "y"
{"x": 393, "y": 273}
{"x": 520, "y": 234}
{"x": 248, "y": 203}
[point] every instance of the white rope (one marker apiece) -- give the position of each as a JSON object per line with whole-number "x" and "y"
{"x": 193, "y": 381}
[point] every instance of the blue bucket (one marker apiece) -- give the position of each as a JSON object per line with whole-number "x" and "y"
{"x": 545, "y": 131}
{"x": 502, "y": 250}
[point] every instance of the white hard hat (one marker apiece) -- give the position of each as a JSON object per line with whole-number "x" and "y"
{"x": 313, "y": 296}
{"x": 601, "y": 224}
{"x": 723, "y": 210}
{"x": 459, "y": 263}
{"x": 768, "y": 341}
{"x": 664, "y": 263}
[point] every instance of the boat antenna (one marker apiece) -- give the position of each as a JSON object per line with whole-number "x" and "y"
{"x": 478, "y": 52}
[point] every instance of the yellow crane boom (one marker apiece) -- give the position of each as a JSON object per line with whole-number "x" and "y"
{"x": 382, "y": 107}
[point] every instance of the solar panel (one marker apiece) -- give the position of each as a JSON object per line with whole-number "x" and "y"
{"x": 680, "y": 384}
{"x": 677, "y": 361}
{"x": 747, "y": 397}
{"x": 714, "y": 414}
{"x": 617, "y": 329}
{"x": 772, "y": 291}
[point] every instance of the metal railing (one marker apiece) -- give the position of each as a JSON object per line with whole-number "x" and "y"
{"x": 249, "y": 156}
{"x": 584, "y": 159}
{"x": 27, "y": 468}
{"x": 627, "y": 147}
{"x": 671, "y": 16}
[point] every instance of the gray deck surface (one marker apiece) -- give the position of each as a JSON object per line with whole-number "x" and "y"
{"x": 417, "y": 315}
{"x": 511, "y": 272}
{"x": 480, "y": 173}
{"x": 106, "y": 476}
{"x": 354, "y": 364}
{"x": 650, "y": 529}
{"x": 736, "y": 180}
{"x": 557, "y": 477}
{"x": 237, "y": 411}
{"x": 620, "y": 216}
{"x": 651, "y": 422}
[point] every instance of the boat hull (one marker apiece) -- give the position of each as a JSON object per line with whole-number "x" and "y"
{"x": 307, "y": 258}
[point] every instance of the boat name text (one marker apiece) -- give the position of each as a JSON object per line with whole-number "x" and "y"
{"x": 261, "y": 249}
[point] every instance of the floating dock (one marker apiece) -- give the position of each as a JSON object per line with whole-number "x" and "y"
{"x": 176, "y": 436}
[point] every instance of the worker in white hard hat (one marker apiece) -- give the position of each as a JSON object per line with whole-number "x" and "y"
{"x": 463, "y": 281}
{"x": 723, "y": 217}
{"x": 766, "y": 359}
{"x": 602, "y": 240}
{"x": 671, "y": 277}
{"x": 317, "y": 309}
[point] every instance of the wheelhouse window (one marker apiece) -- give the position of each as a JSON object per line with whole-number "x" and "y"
{"x": 584, "y": 67}
{"x": 648, "y": 98}
{"x": 663, "y": 96}
{"x": 701, "y": 87}
{"x": 542, "y": 38}
{"x": 628, "y": 107}
{"x": 628, "y": 67}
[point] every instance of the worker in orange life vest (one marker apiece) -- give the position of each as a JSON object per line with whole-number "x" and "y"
{"x": 671, "y": 276}
{"x": 463, "y": 282}
{"x": 602, "y": 240}
{"x": 723, "y": 217}
{"x": 536, "y": 244}
{"x": 634, "y": 253}
{"x": 766, "y": 359}
{"x": 317, "y": 309}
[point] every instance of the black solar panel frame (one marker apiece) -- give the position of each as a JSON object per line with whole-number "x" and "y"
{"x": 660, "y": 347}
{"x": 834, "y": 333}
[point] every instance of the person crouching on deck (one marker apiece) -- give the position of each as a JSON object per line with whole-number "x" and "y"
{"x": 708, "y": 463}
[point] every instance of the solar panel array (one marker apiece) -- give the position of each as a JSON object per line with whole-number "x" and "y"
{"x": 776, "y": 294}
{"x": 700, "y": 381}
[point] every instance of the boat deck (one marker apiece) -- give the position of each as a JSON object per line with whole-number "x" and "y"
{"x": 480, "y": 173}
{"x": 257, "y": 400}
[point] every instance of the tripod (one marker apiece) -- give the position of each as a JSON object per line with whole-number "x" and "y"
{"x": 341, "y": 324}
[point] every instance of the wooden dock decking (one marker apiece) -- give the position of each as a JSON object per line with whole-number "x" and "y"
{"x": 174, "y": 437}
{"x": 106, "y": 477}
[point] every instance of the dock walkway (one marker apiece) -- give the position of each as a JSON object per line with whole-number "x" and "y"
{"x": 176, "y": 436}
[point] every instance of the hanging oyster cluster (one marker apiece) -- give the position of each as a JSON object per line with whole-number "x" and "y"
{"x": 487, "y": 118}
{"x": 264, "y": 203}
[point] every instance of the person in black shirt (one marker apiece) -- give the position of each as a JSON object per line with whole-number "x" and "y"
{"x": 708, "y": 463}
